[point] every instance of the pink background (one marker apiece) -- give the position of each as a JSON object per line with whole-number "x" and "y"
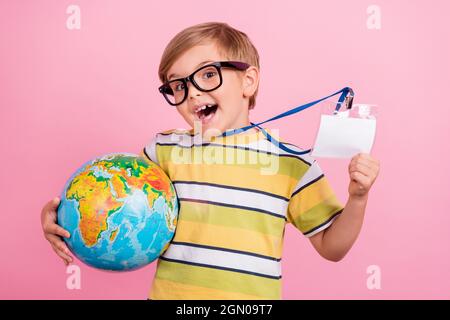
{"x": 67, "y": 96}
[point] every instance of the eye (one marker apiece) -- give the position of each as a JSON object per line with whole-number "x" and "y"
{"x": 179, "y": 87}
{"x": 209, "y": 74}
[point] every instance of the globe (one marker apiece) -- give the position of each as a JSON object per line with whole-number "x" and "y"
{"x": 121, "y": 211}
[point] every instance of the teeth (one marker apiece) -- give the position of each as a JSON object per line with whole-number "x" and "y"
{"x": 203, "y": 107}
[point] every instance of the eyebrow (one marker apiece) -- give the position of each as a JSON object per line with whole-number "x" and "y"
{"x": 201, "y": 63}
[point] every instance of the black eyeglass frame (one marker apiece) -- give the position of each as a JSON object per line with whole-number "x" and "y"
{"x": 166, "y": 90}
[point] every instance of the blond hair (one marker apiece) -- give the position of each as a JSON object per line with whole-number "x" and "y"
{"x": 232, "y": 43}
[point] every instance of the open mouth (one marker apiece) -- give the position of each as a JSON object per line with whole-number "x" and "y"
{"x": 207, "y": 112}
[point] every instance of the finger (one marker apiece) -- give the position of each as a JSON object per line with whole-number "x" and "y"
{"x": 363, "y": 168}
{"x": 360, "y": 178}
{"x": 48, "y": 219}
{"x": 367, "y": 157}
{"x": 372, "y": 164}
{"x": 358, "y": 157}
{"x": 48, "y": 213}
{"x": 369, "y": 162}
{"x": 360, "y": 164}
{"x": 66, "y": 258}
{"x": 56, "y": 242}
{"x": 364, "y": 155}
{"x": 57, "y": 230}
{"x": 53, "y": 204}
{"x": 60, "y": 246}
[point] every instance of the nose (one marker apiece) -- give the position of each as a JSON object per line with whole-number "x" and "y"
{"x": 192, "y": 90}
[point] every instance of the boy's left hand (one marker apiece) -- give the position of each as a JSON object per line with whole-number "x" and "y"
{"x": 363, "y": 170}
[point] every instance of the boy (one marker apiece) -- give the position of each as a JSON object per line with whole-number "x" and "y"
{"x": 233, "y": 209}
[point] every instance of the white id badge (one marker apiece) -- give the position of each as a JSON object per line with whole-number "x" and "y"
{"x": 347, "y": 133}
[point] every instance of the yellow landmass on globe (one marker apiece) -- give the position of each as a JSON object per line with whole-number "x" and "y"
{"x": 113, "y": 235}
{"x": 96, "y": 203}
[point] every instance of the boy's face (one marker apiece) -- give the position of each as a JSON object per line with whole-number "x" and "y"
{"x": 231, "y": 97}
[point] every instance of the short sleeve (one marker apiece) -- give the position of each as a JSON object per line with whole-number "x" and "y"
{"x": 313, "y": 206}
{"x": 150, "y": 150}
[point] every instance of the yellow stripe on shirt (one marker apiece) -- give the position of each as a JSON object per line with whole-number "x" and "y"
{"x": 227, "y": 281}
{"x": 169, "y": 290}
{"x": 232, "y": 218}
{"x": 228, "y": 237}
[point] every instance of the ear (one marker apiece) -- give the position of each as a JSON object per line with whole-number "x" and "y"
{"x": 250, "y": 81}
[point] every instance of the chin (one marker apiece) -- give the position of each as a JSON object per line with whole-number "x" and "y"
{"x": 214, "y": 127}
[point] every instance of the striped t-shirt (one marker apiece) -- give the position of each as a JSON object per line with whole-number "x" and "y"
{"x": 236, "y": 194}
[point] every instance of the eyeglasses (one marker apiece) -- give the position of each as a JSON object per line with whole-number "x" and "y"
{"x": 206, "y": 78}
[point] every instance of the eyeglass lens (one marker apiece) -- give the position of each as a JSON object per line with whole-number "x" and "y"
{"x": 206, "y": 78}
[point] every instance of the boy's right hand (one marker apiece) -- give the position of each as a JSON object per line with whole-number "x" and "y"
{"x": 53, "y": 232}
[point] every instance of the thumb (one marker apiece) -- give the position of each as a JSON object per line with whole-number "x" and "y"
{"x": 55, "y": 203}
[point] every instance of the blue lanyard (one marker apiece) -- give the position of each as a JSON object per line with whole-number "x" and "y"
{"x": 346, "y": 95}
